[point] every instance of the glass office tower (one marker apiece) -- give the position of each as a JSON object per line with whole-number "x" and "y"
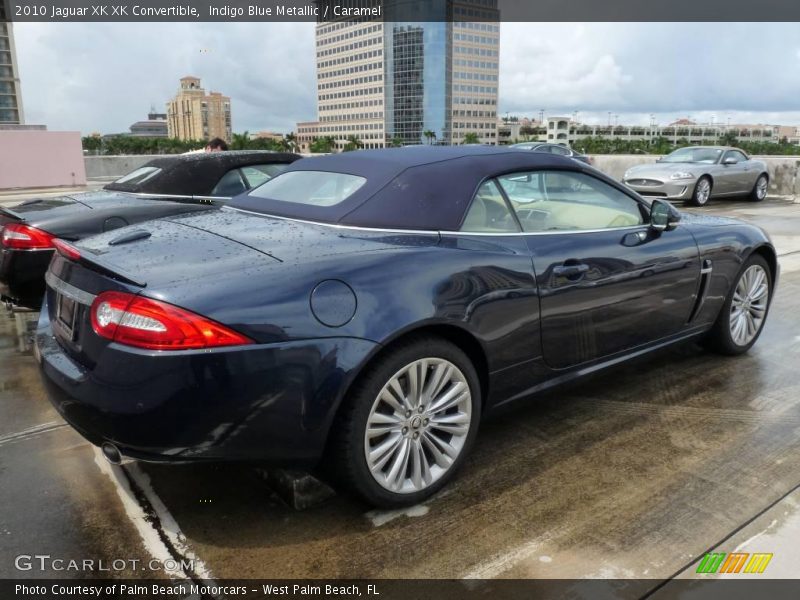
{"x": 10, "y": 96}
{"x": 426, "y": 74}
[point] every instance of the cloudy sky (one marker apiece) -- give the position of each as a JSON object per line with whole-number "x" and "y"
{"x": 103, "y": 77}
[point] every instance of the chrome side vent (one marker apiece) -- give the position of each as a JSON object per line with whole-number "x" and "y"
{"x": 705, "y": 280}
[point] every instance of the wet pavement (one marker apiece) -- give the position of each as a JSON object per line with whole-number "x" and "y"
{"x": 635, "y": 473}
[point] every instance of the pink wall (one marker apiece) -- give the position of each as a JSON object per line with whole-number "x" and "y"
{"x": 41, "y": 159}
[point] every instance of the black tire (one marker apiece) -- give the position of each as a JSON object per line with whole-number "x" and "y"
{"x": 757, "y": 194}
{"x": 347, "y": 462}
{"x": 699, "y": 198}
{"x": 720, "y": 338}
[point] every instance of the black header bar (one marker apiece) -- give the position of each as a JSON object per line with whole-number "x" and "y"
{"x": 399, "y": 10}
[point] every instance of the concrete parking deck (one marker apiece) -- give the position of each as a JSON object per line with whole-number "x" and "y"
{"x": 633, "y": 474}
{"x": 11, "y": 197}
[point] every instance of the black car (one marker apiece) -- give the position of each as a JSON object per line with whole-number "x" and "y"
{"x": 552, "y": 149}
{"x": 165, "y": 186}
{"x": 363, "y": 310}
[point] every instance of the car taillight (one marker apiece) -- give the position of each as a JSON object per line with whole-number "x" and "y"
{"x": 25, "y": 237}
{"x": 145, "y": 323}
{"x": 66, "y": 249}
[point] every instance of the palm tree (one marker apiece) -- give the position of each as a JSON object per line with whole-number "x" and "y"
{"x": 471, "y": 138}
{"x": 396, "y": 142}
{"x": 240, "y": 141}
{"x": 353, "y": 143}
{"x": 429, "y": 135}
{"x": 323, "y": 145}
{"x": 729, "y": 138}
{"x": 291, "y": 141}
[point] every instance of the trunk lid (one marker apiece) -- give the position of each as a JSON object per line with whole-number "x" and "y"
{"x": 7, "y": 215}
{"x": 166, "y": 252}
{"x": 137, "y": 259}
{"x": 41, "y": 213}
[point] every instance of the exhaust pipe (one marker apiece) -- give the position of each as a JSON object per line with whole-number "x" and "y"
{"x": 112, "y": 453}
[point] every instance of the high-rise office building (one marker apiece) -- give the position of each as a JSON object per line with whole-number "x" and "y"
{"x": 10, "y": 95}
{"x": 425, "y": 76}
{"x": 194, "y": 115}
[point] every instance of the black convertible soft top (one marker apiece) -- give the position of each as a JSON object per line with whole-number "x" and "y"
{"x": 197, "y": 174}
{"x": 420, "y": 187}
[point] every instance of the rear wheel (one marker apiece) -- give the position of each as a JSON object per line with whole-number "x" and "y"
{"x": 409, "y": 423}
{"x": 744, "y": 311}
{"x": 759, "y": 191}
{"x": 702, "y": 191}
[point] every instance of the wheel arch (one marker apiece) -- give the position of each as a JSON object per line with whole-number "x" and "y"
{"x": 768, "y": 253}
{"x": 455, "y": 334}
{"x": 710, "y": 178}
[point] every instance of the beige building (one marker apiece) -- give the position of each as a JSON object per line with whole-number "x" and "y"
{"x": 194, "y": 115}
{"x": 267, "y": 135}
{"x": 565, "y": 130}
{"x": 408, "y": 82}
{"x": 475, "y": 68}
{"x": 10, "y": 95}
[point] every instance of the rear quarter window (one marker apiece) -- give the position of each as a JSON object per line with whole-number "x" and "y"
{"x": 312, "y": 188}
{"x": 259, "y": 174}
{"x": 138, "y": 176}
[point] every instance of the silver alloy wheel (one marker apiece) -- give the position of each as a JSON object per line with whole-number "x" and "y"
{"x": 761, "y": 187}
{"x": 418, "y": 425}
{"x": 749, "y": 305}
{"x": 703, "y": 191}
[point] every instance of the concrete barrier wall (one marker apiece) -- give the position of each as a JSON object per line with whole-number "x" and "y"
{"x": 783, "y": 170}
{"x": 33, "y": 158}
{"x": 114, "y": 166}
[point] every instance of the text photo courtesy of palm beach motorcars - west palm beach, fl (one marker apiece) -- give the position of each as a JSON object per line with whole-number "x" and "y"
{"x": 454, "y": 298}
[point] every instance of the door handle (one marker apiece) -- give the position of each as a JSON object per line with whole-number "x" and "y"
{"x": 571, "y": 271}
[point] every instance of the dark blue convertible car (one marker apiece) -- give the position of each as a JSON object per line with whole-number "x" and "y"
{"x": 362, "y": 311}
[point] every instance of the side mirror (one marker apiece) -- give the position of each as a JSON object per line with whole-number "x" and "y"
{"x": 729, "y": 161}
{"x": 663, "y": 216}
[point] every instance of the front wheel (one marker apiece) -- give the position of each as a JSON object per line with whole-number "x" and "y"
{"x": 759, "y": 191}
{"x": 702, "y": 192}
{"x": 408, "y": 424}
{"x": 744, "y": 311}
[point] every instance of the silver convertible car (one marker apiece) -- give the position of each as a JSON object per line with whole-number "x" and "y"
{"x": 698, "y": 173}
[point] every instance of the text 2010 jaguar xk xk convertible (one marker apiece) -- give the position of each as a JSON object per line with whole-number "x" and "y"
{"x": 364, "y": 310}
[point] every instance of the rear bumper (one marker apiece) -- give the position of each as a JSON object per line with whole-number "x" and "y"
{"x": 681, "y": 189}
{"x": 271, "y": 403}
{"x": 22, "y": 275}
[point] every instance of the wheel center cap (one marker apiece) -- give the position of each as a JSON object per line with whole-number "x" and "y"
{"x": 416, "y": 422}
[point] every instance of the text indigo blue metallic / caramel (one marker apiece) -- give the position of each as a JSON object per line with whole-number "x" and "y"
{"x": 395, "y": 297}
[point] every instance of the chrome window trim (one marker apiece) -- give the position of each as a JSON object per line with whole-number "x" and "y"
{"x": 70, "y": 291}
{"x": 182, "y": 196}
{"x": 554, "y": 232}
{"x": 433, "y": 231}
